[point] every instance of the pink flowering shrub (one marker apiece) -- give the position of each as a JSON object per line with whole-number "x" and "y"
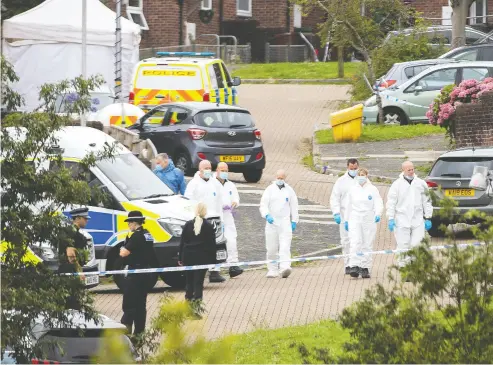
{"x": 442, "y": 110}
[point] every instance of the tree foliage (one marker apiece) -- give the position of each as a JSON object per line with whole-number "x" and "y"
{"x": 11, "y": 8}
{"x": 33, "y": 198}
{"x": 444, "y": 316}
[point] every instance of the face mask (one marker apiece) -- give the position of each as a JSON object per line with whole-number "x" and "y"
{"x": 223, "y": 175}
{"x": 280, "y": 182}
{"x": 207, "y": 174}
{"x": 410, "y": 178}
{"x": 159, "y": 168}
{"x": 352, "y": 173}
{"x": 361, "y": 179}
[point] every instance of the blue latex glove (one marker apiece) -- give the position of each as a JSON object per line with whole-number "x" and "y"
{"x": 428, "y": 224}
{"x": 346, "y": 226}
{"x": 391, "y": 225}
{"x": 269, "y": 218}
{"x": 293, "y": 226}
{"x": 377, "y": 219}
{"x": 337, "y": 218}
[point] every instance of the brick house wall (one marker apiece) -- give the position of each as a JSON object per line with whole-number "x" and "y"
{"x": 474, "y": 123}
{"x": 433, "y": 8}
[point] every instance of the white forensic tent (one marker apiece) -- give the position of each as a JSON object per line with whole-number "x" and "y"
{"x": 44, "y": 45}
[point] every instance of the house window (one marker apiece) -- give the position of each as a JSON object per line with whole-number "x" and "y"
{"x": 135, "y": 12}
{"x": 244, "y": 7}
{"x": 477, "y": 12}
{"x": 206, "y": 4}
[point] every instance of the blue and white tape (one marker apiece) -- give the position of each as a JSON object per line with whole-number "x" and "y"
{"x": 396, "y": 100}
{"x": 262, "y": 262}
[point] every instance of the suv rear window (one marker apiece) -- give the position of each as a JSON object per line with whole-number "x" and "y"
{"x": 459, "y": 167}
{"x": 224, "y": 119}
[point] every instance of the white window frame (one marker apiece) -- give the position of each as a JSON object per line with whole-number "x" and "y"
{"x": 472, "y": 13}
{"x": 138, "y": 10}
{"x": 243, "y": 12}
{"x": 206, "y": 5}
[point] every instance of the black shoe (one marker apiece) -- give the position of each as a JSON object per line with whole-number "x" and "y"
{"x": 347, "y": 271}
{"x": 235, "y": 271}
{"x": 215, "y": 277}
{"x": 354, "y": 271}
{"x": 365, "y": 273}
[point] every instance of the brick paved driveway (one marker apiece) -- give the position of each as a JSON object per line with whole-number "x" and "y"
{"x": 286, "y": 115}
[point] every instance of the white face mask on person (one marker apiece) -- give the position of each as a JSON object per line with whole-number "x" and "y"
{"x": 361, "y": 180}
{"x": 352, "y": 173}
{"x": 280, "y": 182}
{"x": 409, "y": 178}
{"x": 207, "y": 174}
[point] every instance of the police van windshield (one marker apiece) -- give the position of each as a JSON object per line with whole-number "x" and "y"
{"x": 132, "y": 177}
{"x": 169, "y": 78}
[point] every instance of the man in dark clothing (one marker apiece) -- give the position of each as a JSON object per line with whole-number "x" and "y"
{"x": 138, "y": 253}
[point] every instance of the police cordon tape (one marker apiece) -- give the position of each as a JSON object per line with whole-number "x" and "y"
{"x": 262, "y": 262}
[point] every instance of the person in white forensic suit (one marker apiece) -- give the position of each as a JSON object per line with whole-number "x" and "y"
{"x": 409, "y": 210}
{"x": 230, "y": 201}
{"x": 279, "y": 207}
{"x": 338, "y": 199}
{"x": 204, "y": 188}
{"x": 364, "y": 207}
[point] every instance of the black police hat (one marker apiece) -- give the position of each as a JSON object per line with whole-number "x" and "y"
{"x": 135, "y": 216}
{"x": 80, "y": 212}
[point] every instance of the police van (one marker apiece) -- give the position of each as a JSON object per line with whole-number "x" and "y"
{"x": 126, "y": 184}
{"x": 180, "y": 77}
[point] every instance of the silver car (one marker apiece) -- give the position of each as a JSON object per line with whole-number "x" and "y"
{"x": 452, "y": 173}
{"x": 409, "y": 102}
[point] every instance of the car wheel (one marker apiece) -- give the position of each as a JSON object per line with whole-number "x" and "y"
{"x": 120, "y": 281}
{"x": 253, "y": 176}
{"x": 183, "y": 161}
{"x": 174, "y": 279}
{"x": 394, "y": 116}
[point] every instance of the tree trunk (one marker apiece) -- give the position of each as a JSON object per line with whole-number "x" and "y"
{"x": 371, "y": 79}
{"x": 460, "y": 11}
{"x": 340, "y": 62}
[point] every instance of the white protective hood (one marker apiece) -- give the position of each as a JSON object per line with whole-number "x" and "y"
{"x": 44, "y": 45}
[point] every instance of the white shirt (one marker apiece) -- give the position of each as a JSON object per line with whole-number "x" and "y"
{"x": 279, "y": 203}
{"x": 363, "y": 200}
{"x": 338, "y": 196}
{"x": 206, "y": 192}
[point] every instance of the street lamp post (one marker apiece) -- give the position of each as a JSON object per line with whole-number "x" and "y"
{"x": 84, "y": 52}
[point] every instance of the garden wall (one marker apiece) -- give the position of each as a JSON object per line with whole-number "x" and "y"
{"x": 474, "y": 123}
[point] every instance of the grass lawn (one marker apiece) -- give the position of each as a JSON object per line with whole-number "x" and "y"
{"x": 308, "y": 70}
{"x": 281, "y": 346}
{"x": 378, "y": 133}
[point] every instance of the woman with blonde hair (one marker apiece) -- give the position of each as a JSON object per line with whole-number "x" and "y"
{"x": 197, "y": 247}
{"x": 363, "y": 211}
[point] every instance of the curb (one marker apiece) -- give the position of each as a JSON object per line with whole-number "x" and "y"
{"x": 295, "y": 81}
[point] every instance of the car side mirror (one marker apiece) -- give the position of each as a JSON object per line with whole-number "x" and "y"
{"x": 236, "y": 81}
{"x": 418, "y": 89}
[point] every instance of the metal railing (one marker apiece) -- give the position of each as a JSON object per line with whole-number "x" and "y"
{"x": 286, "y": 53}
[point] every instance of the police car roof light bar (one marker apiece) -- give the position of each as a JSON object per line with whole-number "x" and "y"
{"x": 186, "y": 54}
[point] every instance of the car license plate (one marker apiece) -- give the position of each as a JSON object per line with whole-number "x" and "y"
{"x": 459, "y": 192}
{"x": 92, "y": 279}
{"x": 232, "y": 158}
{"x": 221, "y": 255}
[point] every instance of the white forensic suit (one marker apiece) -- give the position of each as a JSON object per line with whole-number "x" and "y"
{"x": 408, "y": 203}
{"x": 282, "y": 205}
{"x": 338, "y": 200}
{"x": 229, "y": 195}
{"x": 363, "y": 204}
{"x": 206, "y": 192}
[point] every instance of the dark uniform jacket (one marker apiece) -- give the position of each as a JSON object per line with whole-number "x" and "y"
{"x": 78, "y": 241}
{"x": 141, "y": 247}
{"x": 198, "y": 250}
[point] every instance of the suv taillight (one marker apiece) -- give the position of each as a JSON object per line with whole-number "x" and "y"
{"x": 196, "y": 133}
{"x": 257, "y": 134}
{"x": 131, "y": 97}
{"x": 431, "y": 184}
{"x": 206, "y": 97}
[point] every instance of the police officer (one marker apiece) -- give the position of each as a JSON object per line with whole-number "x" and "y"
{"x": 138, "y": 253}
{"x": 72, "y": 253}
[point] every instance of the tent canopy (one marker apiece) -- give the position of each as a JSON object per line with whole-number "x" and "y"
{"x": 61, "y": 21}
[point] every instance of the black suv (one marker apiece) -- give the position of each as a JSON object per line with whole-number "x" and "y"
{"x": 194, "y": 131}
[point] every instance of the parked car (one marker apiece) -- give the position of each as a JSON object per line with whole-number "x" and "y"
{"x": 475, "y": 52}
{"x": 410, "y": 101}
{"x": 78, "y": 344}
{"x": 442, "y": 35}
{"x": 403, "y": 71}
{"x": 193, "y": 131}
{"x": 452, "y": 173}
